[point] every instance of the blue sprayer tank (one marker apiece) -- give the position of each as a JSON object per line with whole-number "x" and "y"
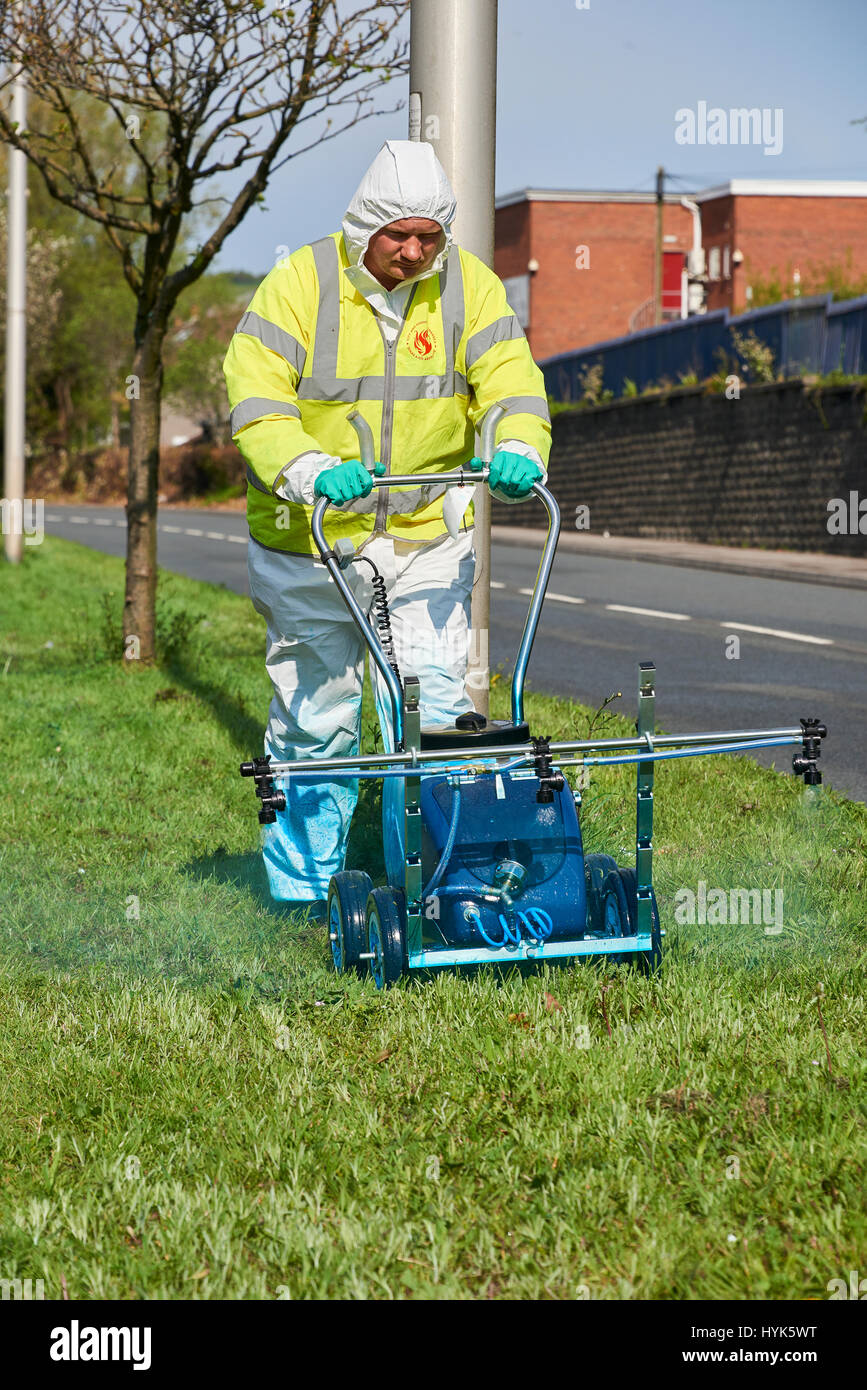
{"x": 499, "y": 820}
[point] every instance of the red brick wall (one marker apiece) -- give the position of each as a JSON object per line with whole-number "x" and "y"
{"x": 512, "y": 236}
{"x": 777, "y": 235}
{"x": 570, "y": 308}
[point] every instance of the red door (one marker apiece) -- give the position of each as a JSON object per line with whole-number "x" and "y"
{"x": 673, "y": 263}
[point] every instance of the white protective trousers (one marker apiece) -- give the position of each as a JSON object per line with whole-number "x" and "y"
{"x": 315, "y": 658}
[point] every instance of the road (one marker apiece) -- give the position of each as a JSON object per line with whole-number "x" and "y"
{"x": 603, "y": 615}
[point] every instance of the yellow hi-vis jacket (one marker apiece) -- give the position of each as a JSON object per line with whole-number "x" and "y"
{"x": 310, "y": 349}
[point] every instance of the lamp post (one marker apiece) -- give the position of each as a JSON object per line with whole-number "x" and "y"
{"x": 16, "y": 334}
{"x": 453, "y": 105}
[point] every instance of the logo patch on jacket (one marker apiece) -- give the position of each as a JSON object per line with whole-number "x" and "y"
{"x": 422, "y": 343}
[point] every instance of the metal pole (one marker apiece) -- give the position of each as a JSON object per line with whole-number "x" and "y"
{"x": 682, "y": 746}
{"x": 453, "y": 105}
{"x": 657, "y": 250}
{"x": 16, "y": 333}
{"x": 644, "y": 727}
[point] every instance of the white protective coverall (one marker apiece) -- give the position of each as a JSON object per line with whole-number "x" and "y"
{"x": 315, "y": 654}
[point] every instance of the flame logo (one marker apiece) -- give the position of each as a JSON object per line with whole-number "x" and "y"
{"x": 422, "y": 342}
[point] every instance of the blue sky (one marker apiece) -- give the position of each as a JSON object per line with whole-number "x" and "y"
{"x": 587, "y": 99}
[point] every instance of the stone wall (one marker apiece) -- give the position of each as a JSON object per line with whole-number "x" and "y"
{"x": 757, "y": 471}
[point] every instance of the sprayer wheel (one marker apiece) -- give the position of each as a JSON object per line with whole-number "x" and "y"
{"x": 386, "y": 935}
{"x": 347, "y": 899}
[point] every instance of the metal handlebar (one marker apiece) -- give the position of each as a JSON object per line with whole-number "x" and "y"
{"x": 457, "y": 478}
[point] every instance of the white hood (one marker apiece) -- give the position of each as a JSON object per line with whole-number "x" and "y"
{"x": 405, "y": 180}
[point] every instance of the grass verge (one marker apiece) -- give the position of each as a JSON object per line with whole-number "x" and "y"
{"x": 198, "y": 1108}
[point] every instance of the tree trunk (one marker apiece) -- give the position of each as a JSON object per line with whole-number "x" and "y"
{"x": 145, "y": 390}
{"x": 63, "y": 398}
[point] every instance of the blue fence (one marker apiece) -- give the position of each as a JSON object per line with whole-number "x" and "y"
{"x": 805, "y": 335}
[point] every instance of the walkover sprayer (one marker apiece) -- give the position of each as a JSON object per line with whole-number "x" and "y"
{"x": 481, "y": 831}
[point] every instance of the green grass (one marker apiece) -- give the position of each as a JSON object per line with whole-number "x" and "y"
{"x": 197, "y": 1107}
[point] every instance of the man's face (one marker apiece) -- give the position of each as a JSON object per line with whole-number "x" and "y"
{"x": 403, "y": 249}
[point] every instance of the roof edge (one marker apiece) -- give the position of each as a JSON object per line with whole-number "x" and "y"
{"x": 732, "y": 188}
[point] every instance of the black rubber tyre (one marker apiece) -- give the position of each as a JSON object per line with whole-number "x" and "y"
{"x": 345, "y": 916}
{"x": 386, "y": 935}
{"x": 620, "y": 910}
{"x": 597, "y": 867}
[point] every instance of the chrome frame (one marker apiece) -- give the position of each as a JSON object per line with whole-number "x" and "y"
{"x": 456, "y": 478}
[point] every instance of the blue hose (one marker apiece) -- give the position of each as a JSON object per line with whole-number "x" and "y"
{"x": 534, "y": 917}
{"x": 541, "y": 921}
{"x": 494, "y": 945}
{"x": 449, "y": 844}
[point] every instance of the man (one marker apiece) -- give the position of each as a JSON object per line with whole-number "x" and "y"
{"x": 392, "y": 319}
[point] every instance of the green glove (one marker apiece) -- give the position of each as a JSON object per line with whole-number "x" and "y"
{"x": 511, "y": 473}
{"x": 346, "y": 481}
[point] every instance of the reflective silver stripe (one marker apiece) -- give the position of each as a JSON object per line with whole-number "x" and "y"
{"x": 403, "y": 500}
{"x": 346, "y": 390}
{"x": 255, "y": 407}
{"x": 502, "y": 330}
{"x": 277, "y": 339}
{"x": 256, "y": 482}
{"x": 362, "y": 506}
{"x": 371, "y": 388}
{"x": 327, "y": 261}
{"x": 527, "y": 405}
{"x": 452, "y": 304}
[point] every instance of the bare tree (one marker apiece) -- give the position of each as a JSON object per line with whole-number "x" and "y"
{"x": 203, "y": 94}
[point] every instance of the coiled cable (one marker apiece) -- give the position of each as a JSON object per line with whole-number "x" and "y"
{"x": 381, "y": 615}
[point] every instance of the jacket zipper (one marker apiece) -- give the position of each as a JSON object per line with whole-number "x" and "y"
{"x": 381, "y": 523}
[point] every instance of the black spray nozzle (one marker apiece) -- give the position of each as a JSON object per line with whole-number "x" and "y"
{"x": 549, "y": 780}
{"x": 266, "y": 789}
{"x": 804, "y": 763}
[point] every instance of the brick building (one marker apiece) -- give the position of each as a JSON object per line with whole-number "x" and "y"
{"x": 579, "y": 266}
{"x": 779, "y": 228}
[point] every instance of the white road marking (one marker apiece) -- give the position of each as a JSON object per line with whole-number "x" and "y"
{"x": 495, "y": 584}
{"x": 558, "y": 598}
{"x": 781, "y": 632}
{"x": 168, "y": 528}
{"x": 648, "y": 612}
